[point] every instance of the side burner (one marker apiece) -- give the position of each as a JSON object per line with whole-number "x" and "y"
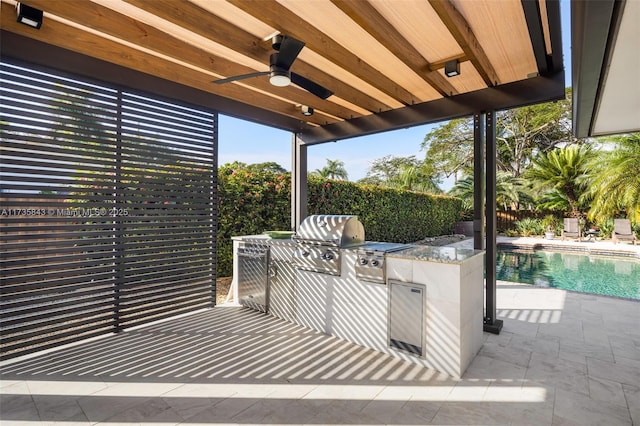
{"x": 371, "y": 262}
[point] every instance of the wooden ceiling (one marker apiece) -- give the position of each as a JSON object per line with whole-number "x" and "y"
{"x": 383, "y": 59}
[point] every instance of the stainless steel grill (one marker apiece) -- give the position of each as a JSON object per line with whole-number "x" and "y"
{"x": 371, "y": 260}
{"x": 320, "y": 239}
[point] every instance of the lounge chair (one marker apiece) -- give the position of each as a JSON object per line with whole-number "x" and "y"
{"x": 571, "y": 228}
{"x": 622, "y": 231}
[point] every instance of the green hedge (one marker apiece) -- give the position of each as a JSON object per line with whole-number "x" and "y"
{"x": 387, "y": 214}
{"x": 252, "y": 202}
{"x": 249, "y": 203}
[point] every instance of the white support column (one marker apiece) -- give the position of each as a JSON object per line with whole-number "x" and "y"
{"x": 298, "y": 181}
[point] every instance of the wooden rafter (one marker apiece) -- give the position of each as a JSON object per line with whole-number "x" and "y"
{"x": 365, "y": 15}
{"x": 281, "y": 18}
{"x": 381, "y": 58}
{"x": 93, "y": 45}
{"x": 122, "y": 27}
{"x": 462, "y": 32}
{"x": 193, "y": 18}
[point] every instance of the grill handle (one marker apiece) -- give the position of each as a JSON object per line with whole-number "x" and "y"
{"x": 335, "y": 242}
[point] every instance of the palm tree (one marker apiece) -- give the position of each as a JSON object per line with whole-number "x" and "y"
{"x": 562, "y": 177}
{"x": 615, "y": 186}
{"x": 333, "y": 170}
{"x": 509, "y": 190}
{"x": 414, "y": 178}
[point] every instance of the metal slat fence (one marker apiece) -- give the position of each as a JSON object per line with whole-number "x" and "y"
{"x": 108, "y": 209}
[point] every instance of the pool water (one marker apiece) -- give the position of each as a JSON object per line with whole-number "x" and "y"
{"x": 570, "y": 271}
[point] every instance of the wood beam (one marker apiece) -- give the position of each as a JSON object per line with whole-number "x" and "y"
{"x": 511, "y": 95}
{"x": 92, "y": 45}
{"x": 463, "y": 34}
{"x": 110, "y": 22}
{"x": 276, "y": 15}
{"x": 205, "y": 24}
{"x": 22, "y": 50}
{"x": 365, "y": 15}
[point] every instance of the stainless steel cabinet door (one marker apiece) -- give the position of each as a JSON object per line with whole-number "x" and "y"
{"x": 253, "y": 280}
{"x": 407, "y": 304}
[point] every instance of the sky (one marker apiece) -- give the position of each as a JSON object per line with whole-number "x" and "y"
{"x": 251, "y": 143}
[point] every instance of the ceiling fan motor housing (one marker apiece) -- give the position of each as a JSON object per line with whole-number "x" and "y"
{"x": 278, "y": 75}
{"x": 276, "y": 41}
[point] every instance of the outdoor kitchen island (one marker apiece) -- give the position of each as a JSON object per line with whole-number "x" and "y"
{"x": 427, "y": 310}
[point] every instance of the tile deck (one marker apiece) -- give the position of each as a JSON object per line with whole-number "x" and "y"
{"x": 562, "y": 358}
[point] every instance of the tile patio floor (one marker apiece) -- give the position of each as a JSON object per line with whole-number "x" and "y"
{"x": 562, "y": 359}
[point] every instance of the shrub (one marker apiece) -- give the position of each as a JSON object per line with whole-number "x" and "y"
{"x": 252, "y": 202}
{"x": 387, "y": 214}
{"x": 605, "y": 227}
{"x": 530, "y": 226}
{"x": 550, "y": 222}
{"x": 249, "y": 202}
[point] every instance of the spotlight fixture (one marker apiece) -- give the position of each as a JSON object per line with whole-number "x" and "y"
{"x": 29, "y": 15}
{"x": 306, "y": 110}
{"x": 452, "y": 68}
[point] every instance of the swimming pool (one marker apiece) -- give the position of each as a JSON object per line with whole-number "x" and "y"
{"x": 570, "y": 271}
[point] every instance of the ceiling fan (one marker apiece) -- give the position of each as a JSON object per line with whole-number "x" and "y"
{"x": 280, "y": 63}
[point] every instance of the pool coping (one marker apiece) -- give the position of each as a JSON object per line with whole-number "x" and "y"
{"x": 596, "y": 248}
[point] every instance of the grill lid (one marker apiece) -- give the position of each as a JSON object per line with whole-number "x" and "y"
{"x": 337, "y": 230}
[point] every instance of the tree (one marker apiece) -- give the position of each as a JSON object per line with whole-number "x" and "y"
{"x": 521, "y": 134}
{"x": 449, "y": 148}
{"x": 416, "y": 178}
{"x": 562, "y": 177}
{"x": 509, "y": 191}
{"x": 615, "y": 185}
{"x": 386, "y": 169}
{"x": 333, "y": 170}
{"x": 524, "y": 132}
{"x": 403, "y": 172}
{"x": 268, "y": 167}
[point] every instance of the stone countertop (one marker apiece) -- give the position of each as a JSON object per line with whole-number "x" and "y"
{"x": 436, "y": 254}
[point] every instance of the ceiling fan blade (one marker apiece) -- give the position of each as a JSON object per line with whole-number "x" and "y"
{"x": 310, "y": 86}
{"x": 240, "y": 77}
{"x": 289, "y": 50}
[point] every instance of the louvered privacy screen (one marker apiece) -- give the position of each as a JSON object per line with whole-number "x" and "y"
{"x": 108, "y": 209}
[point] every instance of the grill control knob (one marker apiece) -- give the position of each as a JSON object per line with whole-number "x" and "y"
{"x": 327, "y": 255}
{"x": 305, "y": 253}
{"x": 363, "y": 261}
{"x": 375, "y": 262}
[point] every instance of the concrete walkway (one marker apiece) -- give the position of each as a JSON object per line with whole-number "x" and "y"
{"x": 562, "y": 359}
